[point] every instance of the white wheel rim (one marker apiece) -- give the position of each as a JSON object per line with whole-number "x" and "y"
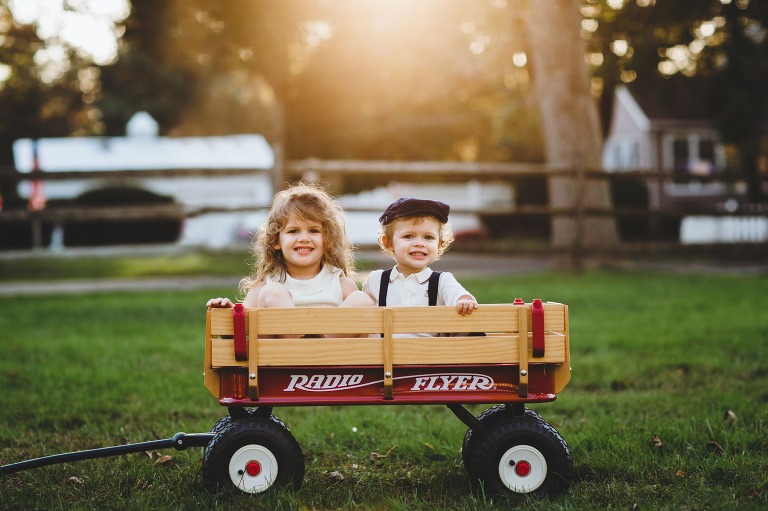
{"x": 522, "y": 469}
{"x": 253, "y": 468}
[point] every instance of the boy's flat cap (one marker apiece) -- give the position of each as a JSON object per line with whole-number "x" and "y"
{"x": 410, "y": 207}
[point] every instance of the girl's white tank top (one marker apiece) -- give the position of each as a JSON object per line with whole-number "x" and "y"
{"x": 322, "y": 290}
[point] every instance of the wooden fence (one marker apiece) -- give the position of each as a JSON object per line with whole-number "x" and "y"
{"x": 351, "y": 176}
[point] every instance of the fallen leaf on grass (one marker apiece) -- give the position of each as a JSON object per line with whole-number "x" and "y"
{"x": 163, "y": 460}
{"x": 680, "y": 473}
{"x": 717, "y": 448}
{"x": 375, "y": 456}
{"x": 75, "y": 480}
{"x": 655, "y": 441}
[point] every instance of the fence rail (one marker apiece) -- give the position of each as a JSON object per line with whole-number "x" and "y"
{"x": 337, "y": 172}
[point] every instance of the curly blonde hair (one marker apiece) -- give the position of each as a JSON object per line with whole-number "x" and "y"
{"x": 309, "y": 202}
{"x": 445, "y": 234}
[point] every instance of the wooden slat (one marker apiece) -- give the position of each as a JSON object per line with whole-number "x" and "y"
{"x": 221, "y": 321}
{"x": 253, "y": 357}
{"x": 497, "y": 349}
{"x": 300, "y": 321}
{"x": 487, "y": 318}
{"x": 523, "y": 350}
{"x": 554, "y": 316}
{"x": 388, "y": 351}
{"x": 563, "y": 371}
{"x": 445, "y": 319}
{"x": 304, "y": 352}
{"x": 211, "y": 378}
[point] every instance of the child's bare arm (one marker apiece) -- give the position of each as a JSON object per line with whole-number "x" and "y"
{"x": 353, "y": 297}
{"x": 348, "y": 287}
{"x": 252, "y": 297}
{"x": 466, "y": 304}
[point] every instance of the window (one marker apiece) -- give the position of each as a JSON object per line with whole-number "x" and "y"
{"x": 680, "y": 154}
{"x": 707, "y": 155}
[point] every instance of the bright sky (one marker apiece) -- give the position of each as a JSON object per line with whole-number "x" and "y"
{"x": 89, "y": 26}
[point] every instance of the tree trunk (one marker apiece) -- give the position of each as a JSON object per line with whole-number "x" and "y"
{"x": 570, "y": 124}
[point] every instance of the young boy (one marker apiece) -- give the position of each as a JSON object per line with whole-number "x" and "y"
{"x": 416, "y": 233}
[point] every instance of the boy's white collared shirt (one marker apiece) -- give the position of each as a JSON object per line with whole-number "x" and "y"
{"x": 413, "y": 290}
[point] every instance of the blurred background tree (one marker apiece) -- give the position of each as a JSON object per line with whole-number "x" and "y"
{"x": 36, "y": 99}
{"x": 396, "y": 79}
{"x": 340, "y": 79}
{"x": 667, "y": 49}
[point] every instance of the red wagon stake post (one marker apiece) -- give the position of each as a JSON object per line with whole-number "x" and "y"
{"x": 259, "y": 359}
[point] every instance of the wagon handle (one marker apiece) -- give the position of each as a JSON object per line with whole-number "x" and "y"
{"x": 180, "y": 441}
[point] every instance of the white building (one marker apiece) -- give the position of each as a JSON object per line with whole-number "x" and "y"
{"x": 672, "y": 134}
{"x": 679, "y": 140}
{"x": 143, "y": 149}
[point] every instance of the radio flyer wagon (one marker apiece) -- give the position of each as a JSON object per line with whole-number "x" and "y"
{"x": 259, "y": 359}
{"x": 523, "y": 358}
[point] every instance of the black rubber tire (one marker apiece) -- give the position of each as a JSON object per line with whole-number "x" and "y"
{"x": 550, "y": 462}
{"x": 281, "y": 462}
{"x": 251, "y": 412}
{"x": 488, "y": 418}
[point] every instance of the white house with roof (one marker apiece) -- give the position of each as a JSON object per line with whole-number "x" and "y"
{"x": 143, "y": 149}
{"x": 651, "y": 137}
{"x": 671, "y": 133}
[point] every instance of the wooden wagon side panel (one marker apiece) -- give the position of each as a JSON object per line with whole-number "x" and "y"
{"x": 398, "y": 349}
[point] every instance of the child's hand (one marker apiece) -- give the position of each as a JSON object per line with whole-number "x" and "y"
{"x": 466, "y": 305}
{"x": 219, "y": 303}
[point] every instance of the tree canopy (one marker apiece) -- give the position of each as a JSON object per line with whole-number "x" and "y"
{"x": 395, "y": 79}
{"x": 665, "y": 49}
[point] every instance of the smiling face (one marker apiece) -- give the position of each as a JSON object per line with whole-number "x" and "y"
{"x": 415, "y": 242}
{"x": 302, "y": 243}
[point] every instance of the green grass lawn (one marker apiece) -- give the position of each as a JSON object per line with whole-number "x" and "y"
{"x": 653, "y": 354}
{"x": 192, "y": 263}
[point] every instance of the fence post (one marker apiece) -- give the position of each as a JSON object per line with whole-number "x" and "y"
{"x": 37, "y": 232}
{"x": 278, "y": 170}
{"x": 577, "y": 247}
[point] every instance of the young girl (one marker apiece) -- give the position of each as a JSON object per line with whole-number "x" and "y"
{"x": 303, "y": 256}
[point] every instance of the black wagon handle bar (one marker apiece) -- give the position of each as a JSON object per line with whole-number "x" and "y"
{"x": 179, "y": 441}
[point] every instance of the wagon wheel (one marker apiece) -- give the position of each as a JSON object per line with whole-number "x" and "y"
{"x": 488, "y": 418}
{"x": 522, "y": 455}
{"x": 253, "y": 455}
{"x": 250, "y": 412}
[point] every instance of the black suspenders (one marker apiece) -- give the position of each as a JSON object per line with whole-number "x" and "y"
{"x": 434, "y": 281}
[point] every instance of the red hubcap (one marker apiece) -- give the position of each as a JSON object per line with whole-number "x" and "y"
{"x": 522, "y": 468}
{"x": 253, "y": 468}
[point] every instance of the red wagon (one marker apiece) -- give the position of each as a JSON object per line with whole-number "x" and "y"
{"x": 258, "y": 359}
